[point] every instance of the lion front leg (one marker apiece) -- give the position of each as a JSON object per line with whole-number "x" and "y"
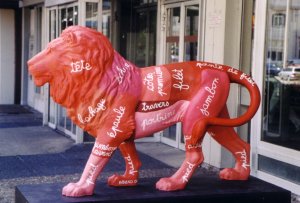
{"x": 86, "y": 185}
{"x": 131, "y": 175}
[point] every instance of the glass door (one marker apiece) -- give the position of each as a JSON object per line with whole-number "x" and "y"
{"x": 67, "y": 16}
{"x": 137, "y": 36}
{"x": 86, "y": 13}
{"x": 53, "y": 30}
{"x": 137, "y": 31}
{"x": 181, "y": 33}
{"x": 35, "y": 94}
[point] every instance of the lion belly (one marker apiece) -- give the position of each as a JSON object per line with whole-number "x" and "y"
{"x": 150, "y": 122}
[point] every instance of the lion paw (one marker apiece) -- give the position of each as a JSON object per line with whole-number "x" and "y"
{"x": 78, "y": 190}
{"x": 122, "y": 181}
{"x": 233, "y": 174}
{"x": 170, "y": 184}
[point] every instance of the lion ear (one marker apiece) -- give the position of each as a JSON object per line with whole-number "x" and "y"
{"x": 69, "y": 37}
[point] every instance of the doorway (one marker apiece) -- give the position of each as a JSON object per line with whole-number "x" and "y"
{"x": 137, "y": 40}
{"x": 85, "y": 13}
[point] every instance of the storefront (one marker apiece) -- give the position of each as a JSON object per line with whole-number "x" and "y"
{"x": 275, "y": 131}
{"x": 261, "y": 37}
{"x": 146, "y": 32}
{"x": 149, "y": 32}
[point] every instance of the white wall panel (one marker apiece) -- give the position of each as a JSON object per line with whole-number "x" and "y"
{"x": 7, "y": 56}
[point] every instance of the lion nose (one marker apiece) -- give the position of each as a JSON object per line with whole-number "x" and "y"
{"x": 30, "y": 62}
{"x": 32, "y": 66}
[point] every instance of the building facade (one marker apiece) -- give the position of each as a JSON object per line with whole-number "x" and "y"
{"x": 261, "y": 38}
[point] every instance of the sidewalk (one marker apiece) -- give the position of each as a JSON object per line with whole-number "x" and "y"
{"x": 31, "y": 154}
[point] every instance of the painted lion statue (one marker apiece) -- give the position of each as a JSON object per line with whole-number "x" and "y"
{"x": 116, "y": 102}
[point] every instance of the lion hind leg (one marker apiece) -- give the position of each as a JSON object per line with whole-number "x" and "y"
{"x": 132, "y": 162}
{"x": 227, "y": 137}
{"x": 194, "y": 158}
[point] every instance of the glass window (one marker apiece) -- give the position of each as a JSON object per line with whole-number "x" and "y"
{"x": 68, "y": 17}
{"x": 172, "y": 39}
{"x": 145, "y": 2}
{"x": 52, "y": 35}
{"x": 91, "y": 15}
{"x": 52, "y": 24}
{"x": 137, "y": 37}
{"x": 191, "y": 32}
{"x": 281, "y": 121}
{"x": 106, "y": 18}
{"x": 278, "y": 19}
{"x": 279, "y": 169}
{"x": 39, "y": 14}
{"x": 145, "y": 37}
{"x": 63, "y": 19}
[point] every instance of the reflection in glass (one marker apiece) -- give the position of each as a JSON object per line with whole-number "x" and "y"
{"x": 62, "y": 117}
{"x": 281, "y": 122}
{"x": 52, "y": 112}
{"x": 52, "y": 35}
{"x": 191, "y": 32}
{"x": 145, "y": 37}
{"x": 68, "y": 124}
{"x": 63, "y": 19}
{"x": 70, "y": 18}
{"x": 172, "y": 39}
{"x": 52, "y": 24}
{"x": 75, "y": 15}
{"x": 106, "y": 18}
{"x": 141, "y": 38}
{"x": 170, "y": 133}
{"x": 91, "y": 16}
{"x": 144, "y": 2}
{"x": 172, "y": 52}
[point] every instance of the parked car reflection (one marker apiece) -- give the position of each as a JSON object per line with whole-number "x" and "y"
{"x": 290, "y": 73}
{"x": 272, "y": 69}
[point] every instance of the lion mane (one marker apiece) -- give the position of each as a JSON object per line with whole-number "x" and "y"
{"x": 83, "y": 90}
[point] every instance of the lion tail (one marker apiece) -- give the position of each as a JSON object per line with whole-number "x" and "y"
{"x": 245, "y": 80}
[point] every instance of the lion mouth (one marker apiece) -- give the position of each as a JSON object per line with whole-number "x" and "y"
{"x": 40, "y": 81}
{"x": 39, "y": 77}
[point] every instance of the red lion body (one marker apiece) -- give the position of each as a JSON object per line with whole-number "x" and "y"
{"x": 117, "y": 102}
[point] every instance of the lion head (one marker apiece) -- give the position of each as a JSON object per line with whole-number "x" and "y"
{"x": 71, "y": 62}
{"x": 83, "y": 69}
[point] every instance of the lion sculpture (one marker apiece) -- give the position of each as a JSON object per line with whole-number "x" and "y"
{"x": 116, "y": 102}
